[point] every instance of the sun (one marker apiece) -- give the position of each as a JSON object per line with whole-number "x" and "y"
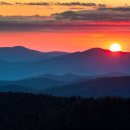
{"x": 115, "y": 47}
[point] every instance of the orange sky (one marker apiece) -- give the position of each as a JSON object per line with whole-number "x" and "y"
{"x": 48, "y": 10}
{"x": 25, "y": 10}
{"x": 65, "y": 41}
{"x": 61, "y": 41}
{"x": 119, "y": 2}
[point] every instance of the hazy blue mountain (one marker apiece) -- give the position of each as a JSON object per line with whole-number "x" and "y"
{"x": 116, "y": 86}
{"x": 100, "y": 87}
{"x": 22, "y": 54}
{"x": 66, "y": 77}
{"x": 16, "y": 88}
{"x": 114, "y": 74}
{"x": 93, "y": 62}
{"x": 35, "y": 83}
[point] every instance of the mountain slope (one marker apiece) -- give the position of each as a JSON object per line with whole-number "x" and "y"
{"x": 66, "y": 77}
{"x": 22, "y": 54}
{"x": 35, "y": 83}
{"x": 116, "y": 86}
{"x": 16, "y": 88}
{"x": 92, "y": 62}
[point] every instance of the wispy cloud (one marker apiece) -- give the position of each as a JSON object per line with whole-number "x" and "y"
{"x": 125, "y": 8}
{"x": 55, "y": 3}
{"x": 37, "y": 3}
{"x": 65, "y": 4}
{"x": 76, "y": 4}
{"x": 5, "y": 3}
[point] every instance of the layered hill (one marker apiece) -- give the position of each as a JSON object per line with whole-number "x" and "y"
{"x": 22, "y": 54}
{"x": 91, "y": 62}
{"x": 100, "y": 87}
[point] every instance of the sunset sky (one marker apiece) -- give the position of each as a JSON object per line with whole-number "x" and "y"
{"x": 65, "y": 26}
{"x": 88, "y": 1}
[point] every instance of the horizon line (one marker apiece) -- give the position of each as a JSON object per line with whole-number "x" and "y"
{"x": 63, "y": 51}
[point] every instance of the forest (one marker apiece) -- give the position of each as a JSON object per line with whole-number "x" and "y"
{"x": 22, "y": 111}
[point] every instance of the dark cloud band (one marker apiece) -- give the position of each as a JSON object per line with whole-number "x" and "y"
{"x": 126, "y": 8}
{"x": 68, "y": 20}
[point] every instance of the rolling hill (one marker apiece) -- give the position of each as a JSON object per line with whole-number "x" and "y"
{"x": 17, "y": 88}
{"x": 115, "y": 86}
{"x": 95, "y": 61}
{"x": 91, "y": 62}
{"x": 35, "y": 83}
{"x": 100, "y": 87}
{"x": 22, "y": 54}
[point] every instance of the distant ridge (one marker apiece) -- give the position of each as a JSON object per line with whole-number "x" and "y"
{"x": 92, "y": 62}
{"x": 100, "y": 87}
{"x": 35, "y": 83}
{"x": 95, "y": 61}
{"x": 23, "y": 54}
{"x": 96, "y": 50}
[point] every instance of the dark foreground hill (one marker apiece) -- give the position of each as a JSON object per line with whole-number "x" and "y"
{"x": 17, "y": 88}
{"x": 42, "y": 112}
{"x": 100, "y": 87}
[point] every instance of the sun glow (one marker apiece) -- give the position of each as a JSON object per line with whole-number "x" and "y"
{"x": 115, "y": 47}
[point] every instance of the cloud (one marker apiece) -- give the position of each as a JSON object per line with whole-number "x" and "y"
{"x": 65, "y": 4}
{"x": 76, "y": 4}
{"x": 126, "y": 8}
{"x": 56, "y": 3}
{"x": 59, "y": 3}
{"x": 5, "y": 3}
{"x": 94, "y": 15}
{"x": 69, "y": 20}
{"x": 37, "y": 3}
{"x": 69, "y": 4}
{"x": 102, "y": 5}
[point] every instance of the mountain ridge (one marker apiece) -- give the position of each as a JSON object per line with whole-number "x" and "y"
{"x": 91, "y": 62}
{"x": 23, "y": 54}
{"x": 100, "y": 87}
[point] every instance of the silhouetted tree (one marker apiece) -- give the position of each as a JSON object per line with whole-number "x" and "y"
{"x": 19, "y": 111}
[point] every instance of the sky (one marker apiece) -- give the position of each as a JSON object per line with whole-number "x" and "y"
{"x": 88, "y": 1}
{"x": 24, "y": 9}
{"x": 65, "y": 26}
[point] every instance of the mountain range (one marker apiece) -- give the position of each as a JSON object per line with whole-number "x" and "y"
{"x": 91, "y": 62}
{"x": 91, "y": 73}
{"x": 100, "y": 87}
{"x": 22, "y": 54}
{"x": 36, "y": 83}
